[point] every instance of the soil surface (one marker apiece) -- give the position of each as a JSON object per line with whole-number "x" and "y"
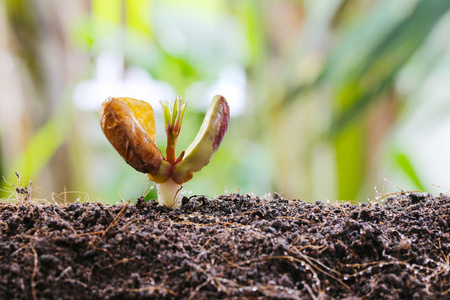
{"x": 233, "y": 246}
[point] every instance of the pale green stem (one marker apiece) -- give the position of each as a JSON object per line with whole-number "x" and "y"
{"x": 169, "y": 193}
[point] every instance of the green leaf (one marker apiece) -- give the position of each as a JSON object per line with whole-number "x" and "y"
{"x": 175, "y": 110}
{"x": 405, "y": 164}
{"x": 378, "y": 68}
{"x": 166, "y": 110}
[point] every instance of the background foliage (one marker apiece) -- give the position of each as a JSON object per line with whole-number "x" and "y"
{"x": 328, "y": 98}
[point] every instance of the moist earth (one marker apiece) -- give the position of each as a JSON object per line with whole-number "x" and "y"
{"x": 234, "y": 246}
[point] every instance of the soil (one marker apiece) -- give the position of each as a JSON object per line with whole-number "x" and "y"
{"x": 233, "y": 246}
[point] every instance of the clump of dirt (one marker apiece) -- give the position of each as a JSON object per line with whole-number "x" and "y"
{"x": 228, "y": 247}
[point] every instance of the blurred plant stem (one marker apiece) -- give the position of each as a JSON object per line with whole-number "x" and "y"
{"x": 43, "y": 68}
{"x": 356, "y": 74}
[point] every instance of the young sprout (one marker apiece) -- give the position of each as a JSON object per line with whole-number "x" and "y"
{"x": 129, "y": 125}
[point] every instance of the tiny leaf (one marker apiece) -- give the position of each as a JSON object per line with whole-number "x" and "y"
{"x": 166, "y": 110}
{"x": 175, "y": 109}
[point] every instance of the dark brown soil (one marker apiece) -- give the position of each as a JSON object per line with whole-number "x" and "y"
{"x": 234, "y": 246}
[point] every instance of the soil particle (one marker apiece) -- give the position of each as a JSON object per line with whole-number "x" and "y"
{"x": 233, "y": 246}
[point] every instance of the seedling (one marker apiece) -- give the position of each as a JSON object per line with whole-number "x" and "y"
{"x": 129, "y": 125}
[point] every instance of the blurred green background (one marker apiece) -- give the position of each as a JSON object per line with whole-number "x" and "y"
{"x": 330, "y": 100}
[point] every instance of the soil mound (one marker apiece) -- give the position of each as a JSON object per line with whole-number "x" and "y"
{"x": 233, "y": 246}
